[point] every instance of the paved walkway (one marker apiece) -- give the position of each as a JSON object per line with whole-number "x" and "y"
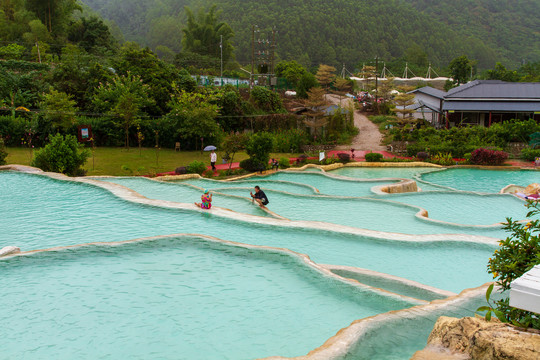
{"x": 522, "y": 163}
{"x": 369, "y": 137}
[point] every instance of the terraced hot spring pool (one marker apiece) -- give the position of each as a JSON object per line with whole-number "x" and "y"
{"x": 488, "y": 181}
{"x": 225, "y": 290}
{"x": 181, "y": 297}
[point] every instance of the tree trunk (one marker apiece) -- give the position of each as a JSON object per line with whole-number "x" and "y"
{"x": 126, "y": 127}
{"x": 50, "y": 21}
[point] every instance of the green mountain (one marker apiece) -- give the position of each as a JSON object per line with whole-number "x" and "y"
{"x": 509, "y": 27}
{"x": 350, "y": 31}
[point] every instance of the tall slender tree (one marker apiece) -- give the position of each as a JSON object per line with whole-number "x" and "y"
{"x": 403, "y": 101}
{"x": 343, "y": 86}
{"x": 326, "y": 75}
{"x": 315, "y": 117}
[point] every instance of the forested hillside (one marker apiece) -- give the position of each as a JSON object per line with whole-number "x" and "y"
{"x": 148, "y": 22}
{"x": 510, "y": 27}
{"x": 351, "y": 31}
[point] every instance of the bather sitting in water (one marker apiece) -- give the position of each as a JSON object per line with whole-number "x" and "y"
{"x": 206, "y": 200}
{"x": 259, "y": 196}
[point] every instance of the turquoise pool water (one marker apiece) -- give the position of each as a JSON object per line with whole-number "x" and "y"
{"x": 64, "y": 291}
{"x": 377, "y": 173}
{"x": 490, "y": 181}
{"x": 389, "y": 284}
{"x": 466, "y": 208}
{"x": 338, "y": 211}
{"x": 295, "y": 188}
{"x": 186, "y": 194}
{"x": 368, "y": 213}
{"x": 67, "y": 222}
{"x": 330, "y": 185}
{"x": 297, "y": 183}
{"x": 408, "y": 334}
{"x": 160, "y": 299}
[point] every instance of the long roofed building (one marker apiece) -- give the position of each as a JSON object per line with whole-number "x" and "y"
{"x": 484, "y": 102}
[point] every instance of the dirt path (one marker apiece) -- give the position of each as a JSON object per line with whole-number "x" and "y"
{"x": 369, "y": 138}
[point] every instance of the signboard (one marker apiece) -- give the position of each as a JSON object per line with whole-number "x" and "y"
{"x": 85, "y": 133}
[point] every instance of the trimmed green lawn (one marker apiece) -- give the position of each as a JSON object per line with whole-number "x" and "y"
{"x": 119, "y": 161}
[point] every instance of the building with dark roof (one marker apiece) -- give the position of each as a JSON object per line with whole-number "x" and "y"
{"x": 484, "y": 102}
{"x": 428, "y": 103}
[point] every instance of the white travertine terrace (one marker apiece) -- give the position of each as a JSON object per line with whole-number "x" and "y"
{"x": 346, "y": 338}
{"x": 21, "y": 168}
{"x": 306, "y": 260}
{"x": 131, "y": 195}
{"x": 394, "y": 278}
{"x": 339, "y": 345}
{"x": 271, "y": 213}
{"x": 9, "y": 250}
{"x": 401, "y": 186}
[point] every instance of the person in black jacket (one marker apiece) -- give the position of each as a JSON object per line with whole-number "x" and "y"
{"x": 259, "y": 196}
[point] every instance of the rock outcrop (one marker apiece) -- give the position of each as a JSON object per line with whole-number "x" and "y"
{"x": 475, "y": 338}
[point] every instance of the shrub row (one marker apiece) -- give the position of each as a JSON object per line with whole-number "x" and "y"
{"x": 530, "y": 154}
{"x": 460, "y": 141}
{"x": 253, "y": 165}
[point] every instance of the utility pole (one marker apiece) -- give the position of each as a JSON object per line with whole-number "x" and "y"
{"x": 221, "y": 50}
{"x": 272, "y": 58}
{"x": 252, "y": 56}
{"x": 377, "y": 81}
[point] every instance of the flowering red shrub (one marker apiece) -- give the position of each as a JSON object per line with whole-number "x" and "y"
{"x": 483, "y": 156}
{"x": 344, "y": 157}
{"x": 422, "y": 155}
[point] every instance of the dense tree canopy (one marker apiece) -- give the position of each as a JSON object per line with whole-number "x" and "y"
{"x": 92, "y": 35}
{"x": 500, "y": 72}
{"x": 351, "y": 32}
{"x": 205, "y": 35}
{"x": 54, "y": 14}
{"x": 460, "y": 69}
{"x": 154, "y": 72}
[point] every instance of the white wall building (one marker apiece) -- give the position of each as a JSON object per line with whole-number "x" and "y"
{"x": 428, "y": 105}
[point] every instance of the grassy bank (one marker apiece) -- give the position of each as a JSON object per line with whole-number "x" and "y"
{"x": 119, "y": 161}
